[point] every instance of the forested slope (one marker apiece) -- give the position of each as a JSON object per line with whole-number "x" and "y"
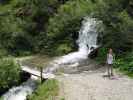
{"x": 51, "y": 26}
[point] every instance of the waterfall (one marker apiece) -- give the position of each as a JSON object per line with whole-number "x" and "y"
{"x": 87, "y": 42}
{"x": 88, "y": 35}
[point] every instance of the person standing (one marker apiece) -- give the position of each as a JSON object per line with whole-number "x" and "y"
{"x": 110, "y": 59}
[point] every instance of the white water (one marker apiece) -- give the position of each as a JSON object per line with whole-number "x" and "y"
{"x": 87, "y": 39}
{"x": 87, "y": 42}
{"x": 20, "y": 92}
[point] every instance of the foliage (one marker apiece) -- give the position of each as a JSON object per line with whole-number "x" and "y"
{"x": 46, "y": 91}
{"x": 66, "y": 23}
{"x": 10, "y": 72}
{"x": 114, "y": 15}
{"x": 125, "y": 64}
{"x": 30, "y": 26}
{"x": 63, "y": 49}
{"x": 3, "y": 52}
{"x": 21, "y": 23}
{"x": 118, "y": 25}
{"x": 102, "y": 55}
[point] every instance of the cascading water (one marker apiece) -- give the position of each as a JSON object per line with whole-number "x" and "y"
{"x": 20, "y": 92}
{"x": 87, "y": 42}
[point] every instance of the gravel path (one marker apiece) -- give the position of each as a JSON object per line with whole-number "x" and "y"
{"x": 93, "y": 86}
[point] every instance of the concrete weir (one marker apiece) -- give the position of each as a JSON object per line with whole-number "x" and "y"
{"x": 37, "y": 73}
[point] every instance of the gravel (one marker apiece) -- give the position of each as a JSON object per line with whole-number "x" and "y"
{"x": 91, "y": 85}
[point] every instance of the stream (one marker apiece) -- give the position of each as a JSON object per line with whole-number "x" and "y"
{"x": 22, "y": 91}
{"x": 87, "y": 42}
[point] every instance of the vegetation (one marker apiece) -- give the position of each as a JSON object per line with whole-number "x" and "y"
{"x": 102, "y": 56}
{"x": 125, "y": 64}
{"x": 115, "y": 15}
{"x": 51, "y": 27}
{"x": 46, "y": 91}
{"x": 122, "y": 62}
{"x": 10, "y": 73}
{"x": 22, "y": 22}
{"x": 38, "y": 61}
{"x": 1, "y": 98}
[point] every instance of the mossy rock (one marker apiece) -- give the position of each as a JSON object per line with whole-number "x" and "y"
{"x": 63, "y": 49}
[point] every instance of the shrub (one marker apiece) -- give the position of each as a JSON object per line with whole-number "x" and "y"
{"x": 3, "y": 52}
{"x": 102, "y": 55}
{"x": 46, "y": 91}
{"x": 63, "y": 49}
{"x": 125, "y": 63}
{"x": 9, "y": 73}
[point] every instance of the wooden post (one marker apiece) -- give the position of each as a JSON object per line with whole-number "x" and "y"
{"x": 41, "y": 71}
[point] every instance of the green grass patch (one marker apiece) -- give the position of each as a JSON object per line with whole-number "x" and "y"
{"x": 46, "y": 91}
{"x": 37, "y": 61}
{"x": 1, "y": 98}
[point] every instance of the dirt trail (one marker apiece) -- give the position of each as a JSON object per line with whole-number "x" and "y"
{"x": 93, "y": 86}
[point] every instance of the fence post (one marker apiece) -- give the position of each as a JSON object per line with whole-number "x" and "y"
{"x": 41, "y": 72}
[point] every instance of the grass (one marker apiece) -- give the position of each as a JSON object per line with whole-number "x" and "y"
{"x": 47, "y": 91}
{"x": 129, "y": 74}
{"x": 1, "y": 98}
{"x": 37, "y": 61}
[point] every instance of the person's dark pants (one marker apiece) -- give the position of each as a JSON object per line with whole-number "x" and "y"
{"x": 110, "y": 70}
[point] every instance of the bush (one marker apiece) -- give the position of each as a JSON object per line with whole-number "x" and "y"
{"x": 102, "y": 55}
{"x": 9, "y": 73}
{"x": 46, "y": 91}
{"x": 63, "y": 49}
{"x": 125, "y": 64}
{"x": 21, "y": 23}
{"x": 3, "y": 52}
